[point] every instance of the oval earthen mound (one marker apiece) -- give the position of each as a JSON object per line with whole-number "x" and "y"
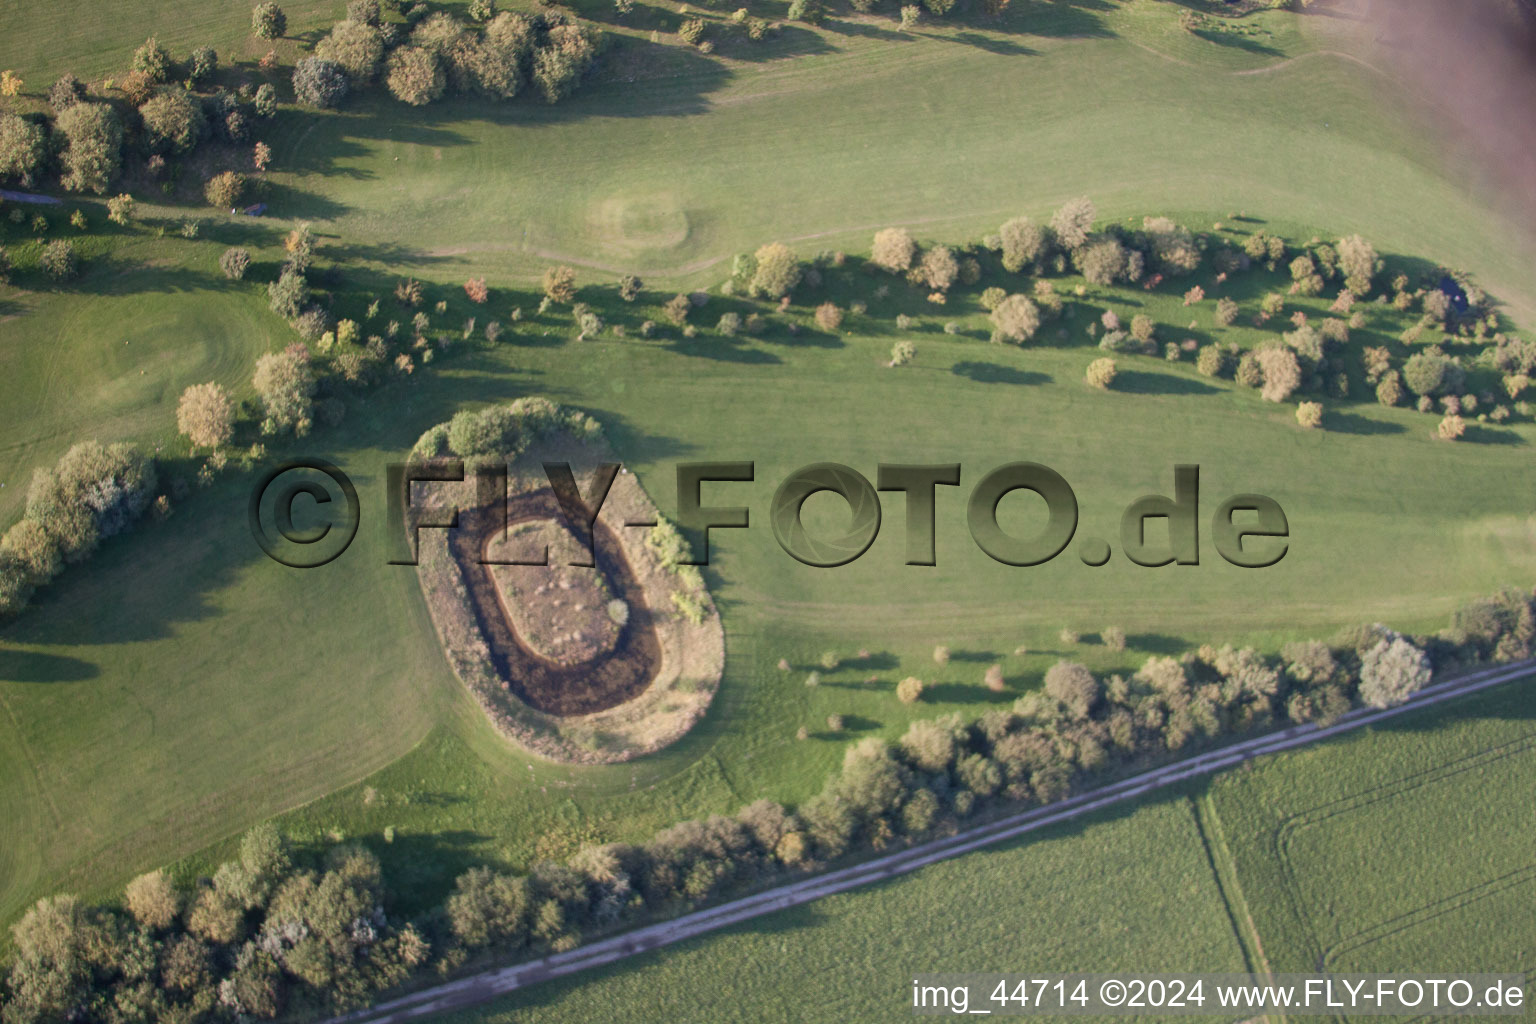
{"x": 597, "y": 684}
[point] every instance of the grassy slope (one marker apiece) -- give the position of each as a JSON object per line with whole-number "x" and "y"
{"x": 1346, "y": 852}
{"x": 1081, "y": 899}
{"x": 730, "y": 161}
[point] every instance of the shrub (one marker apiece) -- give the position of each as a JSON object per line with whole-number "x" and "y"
{"x": 1101, "y": 373}
{"x": 630, "y": 287}
{"x": 1173, "y": 247}
{"x": 1392, "y": 671}
{"x": 23, "y": 150}
{"x": 153, "y": 59}
{"x": 201, "y": 63}
{"x": 1016, "y": 319}
{"x": 1226, "y": 312}
{"x": 287, "y": 295}
{"x": 481, "y": 10}
{"x": 318, "y": 82}
{"x": 939, "y": 268}
{"x": 729, "y": 324}
{"x": 894, "y": 250}
{"x": 677, "y": 309}
{"x": 285, "y": 384}
{"x": 993, "y": 678}
{"x": 268, "y": 21}
{"x": 415, "y": 76}
{"x": 60, "y": 260}
{"x": 1068, "y": 636}
{"x": 808, "y": 11}
{"x": 1024, "y": 243}
{"x": 1072, "y": 223}
{"x": 65, "y": 92}
{"x": 205, "y": 415}
{"x": 225, "y": 189}
{"x": 1281, "y": 372}
{"x": 409, "y": 293}
{"x": 1357, "y": 260}
{"x": 235, "y": 262}
{"x": 829, "y": 317}
{"x": 477, "y": 291}
{"x": 941, "y": 655}
{"x": 173, "y": 121}
{"x": 1452, "y": 428}
{"x": 778, "y": 270}
{"x": 1142, "y": 328}
{"x": 93, "y": 139}
{"x": 1212, "y": 361}
{"x": 1074, "y": 686}
{"x": 560, "y": 63}
{"x": 902, "y": 353}
{"x": 94, "y": 491}
{"x": 1426, "y": 373}
{"x": 992, "y": 297}
{"x": 909, "y": 690}
{"x": 692, "y": 31}
{"x": 1113, "y": 638}
{"x": 265, "y": 100}
{"x": 1102, "y": 262}
{"x": 1309, "y": 414}
{"x": 560, "y": 284}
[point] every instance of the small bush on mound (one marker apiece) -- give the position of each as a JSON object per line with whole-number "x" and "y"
{"x": 1101, "y": 373}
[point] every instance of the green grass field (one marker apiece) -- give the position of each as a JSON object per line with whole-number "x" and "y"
{"x": 181, "y": 688}
{"x": 1357, "y": 856}
{"x": 1086, "y": 898}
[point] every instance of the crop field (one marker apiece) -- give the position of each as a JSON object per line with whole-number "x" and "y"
{"x": 180, "y": 687}
{"x": 1088, "y": 898}
{"x": 1438, "y": 797}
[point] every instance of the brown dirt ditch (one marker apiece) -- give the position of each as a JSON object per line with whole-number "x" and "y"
{"x": 598, "y": 684}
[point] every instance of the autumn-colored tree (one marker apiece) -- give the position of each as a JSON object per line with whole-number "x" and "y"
{"x": 205, "y": 415}
{"x": 894, "y": 250}
{"x": 560, "y": 284}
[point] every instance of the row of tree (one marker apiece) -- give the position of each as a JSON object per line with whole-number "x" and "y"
{"x": 81, "y": 139}
{"x": 94, "y": 491}
{"x": 431, "y": 55}
{"x": 269, "y": 935}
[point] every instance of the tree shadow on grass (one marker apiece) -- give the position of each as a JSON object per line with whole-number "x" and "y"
{"x": 722, "y": 349}
{"x": 1478, "y": 433}
{"x": 851, "y": 724}
{"x": 965, "y": 693}
{"x": 974, "y": 657}
{"x": 293, "y": 203}
{"x": 1354, "y": 423}
{"x": 1155, "y": 643}
{"x": 1143, "y": 383}
{"x": 1239, "y": 42}
{"x": 992, "y": 44}
{"x": 865, "y": 30}
{"x": 993, "y": 373}
{"x": 37, "y": 667}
